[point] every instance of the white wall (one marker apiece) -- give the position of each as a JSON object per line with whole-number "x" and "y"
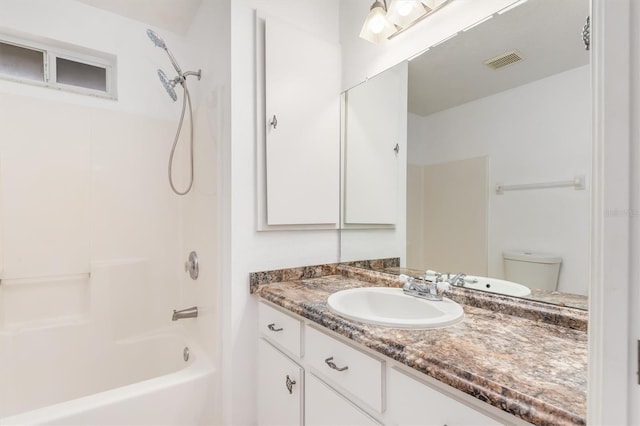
{"x": 538, "y": 132}
{"x": 246, "y": 250}
{"x": 634, "y": 215}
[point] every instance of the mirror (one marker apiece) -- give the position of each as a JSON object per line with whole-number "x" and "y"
{"x": 493, "y": 174}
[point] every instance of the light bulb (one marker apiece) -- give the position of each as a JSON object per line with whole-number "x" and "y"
{"x": 405, "y": 8}
{"x": 376, "y": 25}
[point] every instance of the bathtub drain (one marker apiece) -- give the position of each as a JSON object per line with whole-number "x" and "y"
{"x": 185, "y": 354}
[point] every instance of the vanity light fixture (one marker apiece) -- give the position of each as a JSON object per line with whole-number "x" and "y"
{"x": 404, "y": 12}
{"x": 376, "y": 26}
{"x": 384, "y": 23}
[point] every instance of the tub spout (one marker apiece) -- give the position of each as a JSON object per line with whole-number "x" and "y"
{"x": 185, "y": 313}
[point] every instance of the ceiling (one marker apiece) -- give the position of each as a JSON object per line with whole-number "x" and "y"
{"x": 545, "y": 32}
{"x": 173, "y": 15}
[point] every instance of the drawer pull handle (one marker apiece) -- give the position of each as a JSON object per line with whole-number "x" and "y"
{"x": 290, "y": 384}
{"x": 330, "y": 363}
{"x": 272, "y": 327}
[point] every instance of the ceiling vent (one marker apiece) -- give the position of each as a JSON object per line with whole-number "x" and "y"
{"x": 504, "y": 60}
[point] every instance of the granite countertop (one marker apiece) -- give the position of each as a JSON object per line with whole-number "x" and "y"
{"x": 530, "y": 368}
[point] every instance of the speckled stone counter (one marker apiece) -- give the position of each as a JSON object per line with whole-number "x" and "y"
{"x": 529, "y": 368}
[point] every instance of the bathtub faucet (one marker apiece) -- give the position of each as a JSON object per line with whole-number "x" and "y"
{"x": 185, "y": 313}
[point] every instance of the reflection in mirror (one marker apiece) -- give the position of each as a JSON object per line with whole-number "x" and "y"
{"x": 505, "y": 103}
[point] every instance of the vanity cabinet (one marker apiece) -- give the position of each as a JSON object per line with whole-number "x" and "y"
{"x": 338, "y": 383}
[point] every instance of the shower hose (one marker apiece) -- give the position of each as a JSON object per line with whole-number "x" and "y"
{"x": 186, "y": 100}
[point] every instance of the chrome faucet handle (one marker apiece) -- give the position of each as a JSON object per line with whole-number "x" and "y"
{"x": 441, "y": 287}
{"x": 409, "y": 282}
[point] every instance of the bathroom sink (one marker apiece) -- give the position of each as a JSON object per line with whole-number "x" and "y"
{"x": 390, "y": 307}
{"x": 494, "y": 285}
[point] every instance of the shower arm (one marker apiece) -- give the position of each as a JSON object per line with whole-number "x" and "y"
{"x": 196, "y": 73}
{"x": 181, "y": 78}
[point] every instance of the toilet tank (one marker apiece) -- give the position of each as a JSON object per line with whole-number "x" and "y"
{"x": 535, "y": 270}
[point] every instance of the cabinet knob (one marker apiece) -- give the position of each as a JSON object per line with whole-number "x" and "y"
{"x": 274, "y": 121}
{"x": 290, "y": 384}
{"x": 272, "y": 327}
{"x": 330, "y": 363}
{"x": 396, "y": 149}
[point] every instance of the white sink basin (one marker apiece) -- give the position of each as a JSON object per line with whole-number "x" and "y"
{"x": 494, "y": 285}
{"x": 390, "y": 307}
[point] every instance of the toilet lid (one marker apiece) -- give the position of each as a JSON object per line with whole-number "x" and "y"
{"x": 529, "y": 256}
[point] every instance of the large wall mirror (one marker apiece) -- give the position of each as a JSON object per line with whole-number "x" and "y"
{"x": 493, "y": 156}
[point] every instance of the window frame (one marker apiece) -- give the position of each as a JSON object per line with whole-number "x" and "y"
{"x": 69, "y": 52}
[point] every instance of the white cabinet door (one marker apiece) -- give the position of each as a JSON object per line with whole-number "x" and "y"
{"x": 280, "y": 387}
{"x": 410, "y": 402}
{"x": 302, "y": 89}
{"x": 375, "y": 122}
{"x": 324, "y": 406}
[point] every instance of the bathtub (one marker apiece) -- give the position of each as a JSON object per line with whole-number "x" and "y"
{"x": 69, "y": 377}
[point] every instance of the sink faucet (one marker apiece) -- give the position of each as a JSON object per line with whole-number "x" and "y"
{"x": 185, "y": 313}
{"x": 424, "y": 289}
{"x": 457, "y": 280}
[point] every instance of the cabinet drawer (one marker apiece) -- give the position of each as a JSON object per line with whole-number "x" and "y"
{"x": 325, "y": 406}
{"x": 355, "y": 371}
{"x": 280, "y": 328}
{"x": 411, "y": 402}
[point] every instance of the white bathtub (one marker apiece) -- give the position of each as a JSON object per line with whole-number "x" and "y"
{"x": 67, "y": 377}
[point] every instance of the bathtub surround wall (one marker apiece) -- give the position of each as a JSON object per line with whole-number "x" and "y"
{"x": 201, "y": 224}
{"x": 81, "y": 176}
{"x": 447, "y": 224}
{"x": 538, "y": 132}
{"x": 91, "y": 235}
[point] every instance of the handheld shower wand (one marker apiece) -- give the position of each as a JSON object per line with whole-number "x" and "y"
{"x": 181, "y": 77}
{"x": 169, "y": 86}
{"x": 159, "y": 42}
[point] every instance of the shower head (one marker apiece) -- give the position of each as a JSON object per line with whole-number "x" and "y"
{"x": 159, "y": 42}
{"x": 155, "y": 38}
{"x": 168, "y": 84}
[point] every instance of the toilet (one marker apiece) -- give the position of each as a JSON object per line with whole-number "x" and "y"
{"x": 535, "y": 270}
